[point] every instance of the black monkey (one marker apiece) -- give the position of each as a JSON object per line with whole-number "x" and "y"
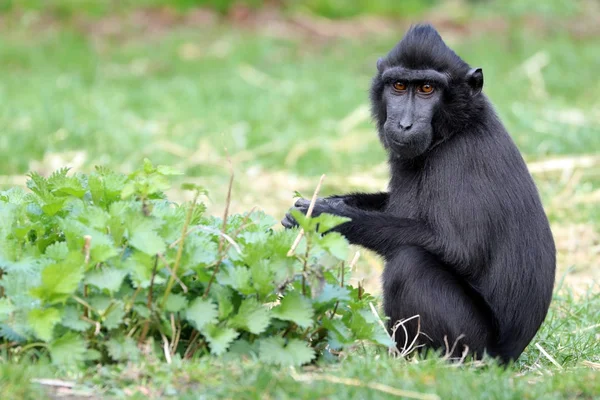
{"x": 466, "y": 242}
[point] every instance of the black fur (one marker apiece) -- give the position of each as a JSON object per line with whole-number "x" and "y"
{"x": 466, "y": 242}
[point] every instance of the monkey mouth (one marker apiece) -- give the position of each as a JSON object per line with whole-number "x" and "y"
{"x": 406, "y": 149}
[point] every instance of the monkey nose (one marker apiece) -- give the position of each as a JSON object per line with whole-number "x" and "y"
{"x": 405, "y": 126}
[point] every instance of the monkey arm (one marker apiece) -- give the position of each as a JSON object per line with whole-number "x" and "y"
{"x": 365, "y": 201}
{"x": 386, "y": 233}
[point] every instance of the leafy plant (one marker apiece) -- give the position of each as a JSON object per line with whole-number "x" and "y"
{"x": 101, "y": 267}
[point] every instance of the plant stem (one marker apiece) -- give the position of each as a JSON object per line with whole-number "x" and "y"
{"x": 184, "y": 232}
{"x": 149, "y": 303}
{"x": 221, "y": 239}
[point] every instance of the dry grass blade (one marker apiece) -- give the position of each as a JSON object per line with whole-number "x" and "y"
{"x": 548, "y": 356}
{"x": 166, "y": 348}
{"x": 308, "y": 214}
{"x": 588, "y": 328}
{"x": 409, "y": 394}
{"x": 87, "y": 245}
{"x": 354, "y": 261}
{"x": 392, "y": 349}
{"x": 450, "y": 351}
{"x": 593, "y": 365}
{"x": 54, "y": 383}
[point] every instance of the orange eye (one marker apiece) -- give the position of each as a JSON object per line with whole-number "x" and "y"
{"x": 426, "y": 88}
{"x": 399, "y": 86}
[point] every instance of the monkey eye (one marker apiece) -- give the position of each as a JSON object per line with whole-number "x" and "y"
{"x": 425, "y": 88}
{"x": 400, "y": 86}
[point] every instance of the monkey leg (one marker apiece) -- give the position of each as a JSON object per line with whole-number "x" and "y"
{"x": 452, "y": 315}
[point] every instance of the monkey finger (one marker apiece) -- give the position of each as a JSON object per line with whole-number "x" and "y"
{"x": 288, "y": 221}
{"x": 302, "y": 203}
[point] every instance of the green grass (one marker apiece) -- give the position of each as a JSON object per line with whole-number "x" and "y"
{"x": 283, "y": 108}
{"x": 566, "y": 336}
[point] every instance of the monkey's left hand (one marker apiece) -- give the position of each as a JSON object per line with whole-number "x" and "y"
{"x": 328, "y": 205}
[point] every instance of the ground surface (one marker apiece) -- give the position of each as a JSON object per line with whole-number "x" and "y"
{"x": 288, "y": 100}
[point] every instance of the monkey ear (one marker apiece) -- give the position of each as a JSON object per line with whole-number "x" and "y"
{"x": 380, "y": 65}
{"x": 475, "y": 80}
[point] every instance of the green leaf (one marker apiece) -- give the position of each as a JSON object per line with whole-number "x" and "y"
{"x": 252, "y": 317}
{"x": 329, "y": 221}
{"x": 303, "y": 221}
{"x": 219, "y": 338}
{"x": 42, "y": 322}
{"x": 336, "y": 244}
{"x": 262, "y": 277}
{"x": 142, "y": 310}
{"x": 123, "y": 349}
{"x": 54, "y": 206}
{"x": 201, "y": 312}
{"x": 237, "y": 277}
{"x": 296, "y": 308}
{"x": 106, "y": 278}
{"x": 57, "y": 251}
{"x": 166, "y": 170}
{"x": 223, "y": 295}
{"x": 148, "y": 242}
{"x": 59, "y": 281}
{"x": 275, "y": 350}
{"x": 115, "y": 316}
{"x": 338, "y": 333}
{"x": 72, "y": 319}
{"x": 6, "y": 308}
{"x": 175, "y": 302}
{"x": 68, "y": 349}
{"x": 332, "y": 293}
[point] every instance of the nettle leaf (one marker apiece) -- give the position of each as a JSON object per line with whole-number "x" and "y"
{"x": 296, "y": 308}
{"x": 106, "y": 278}
{"x": 252, "y": 237}
{"x": 223, "y": 295}
{"x": 72, "y": 319}
{"x": 142, "y": 310}
{"x": 237, "y": 277}
{"x": 303, "y": 221}
{"x": 68, "y": 349}
{"x": 262, "y": 276}
{"x": 278, "y": 351}
{"x": 6, "y": 308}
{"x": 57, "y": 251}
{"x": 105, "y": 186}
{"x": 203, "y": 250}
{"x": 12, "y": 333}
{"x": 219, "y": 338}
{"x": 52, "y": 207}
{"x": 140, "y": 266}
{"x": 252, "y": 317}
{"x": 175, "y": 302}
{"x": 262, "y": 221}
{"x": 123, "y": 349}
{"x": 329, "y": 221}
{"x": 332, "y": 293}
{"x": 114, "y": 317}
{"x": 338, "y": 333}
{"x": 201, "y": 312}
{"x": 336, "y": 244}
{"x": 42, "y": 322}
{"x": 166, "y": 170}
{"x": 60, "y": 280}
{"x": 148, "y": 242}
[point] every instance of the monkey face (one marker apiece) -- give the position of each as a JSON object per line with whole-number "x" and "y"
{"x": 410, "y": 107}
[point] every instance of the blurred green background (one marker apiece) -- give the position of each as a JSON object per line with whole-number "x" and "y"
{"x": 282, "y": 88}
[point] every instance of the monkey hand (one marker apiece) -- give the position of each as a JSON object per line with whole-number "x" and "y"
{"x": 330, "y": 205}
